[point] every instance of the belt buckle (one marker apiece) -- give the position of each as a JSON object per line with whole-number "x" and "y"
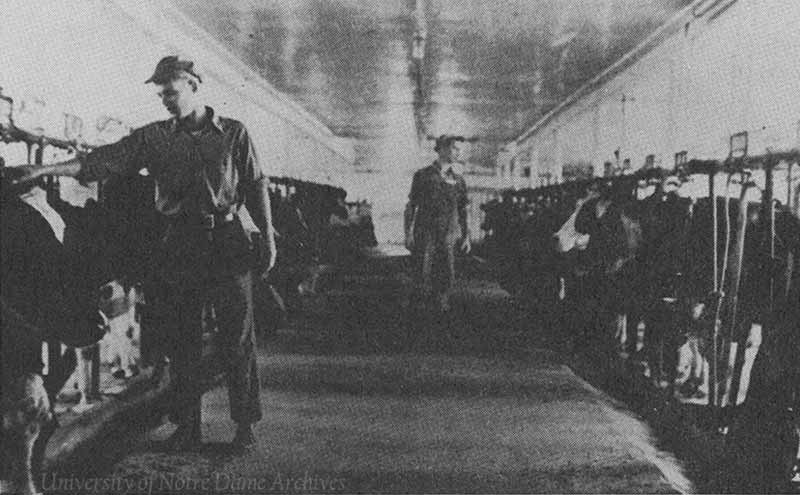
{"x": 208, "y": 222}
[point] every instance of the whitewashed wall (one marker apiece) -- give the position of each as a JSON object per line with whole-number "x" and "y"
{"x": 91, "y": 57}
{"x": 738, "y": 72}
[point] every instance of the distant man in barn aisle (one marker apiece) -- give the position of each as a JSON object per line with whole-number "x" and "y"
{"x": 436, "y": 220}
{"x": 205, "y": 169}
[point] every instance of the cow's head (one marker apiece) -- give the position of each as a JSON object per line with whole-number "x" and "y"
{"x": 608, "y": 229}
{"x": 568, "y": 237}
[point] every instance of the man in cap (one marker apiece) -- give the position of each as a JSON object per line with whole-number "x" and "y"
{"x": 436, "y": 219}
{"x": 205, "y": 169}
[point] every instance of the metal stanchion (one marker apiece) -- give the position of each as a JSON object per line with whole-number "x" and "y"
{"x": 713, "y": 401}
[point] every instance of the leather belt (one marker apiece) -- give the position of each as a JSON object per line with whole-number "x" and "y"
{"x": 212, "y": 221}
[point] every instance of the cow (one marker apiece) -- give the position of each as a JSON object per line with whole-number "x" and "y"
{"x": 24, "y": 404}
{"x": 769, "y": 426}
{"x": 629, "y": 259}
{"x": 43, "y": 299}
{"x": 120, "y": 346}
{"x": 519, "y": 226}
{"x": 602, "y": 238}
{"x": 567, "y": 237}
{"x": 652, "y": 261}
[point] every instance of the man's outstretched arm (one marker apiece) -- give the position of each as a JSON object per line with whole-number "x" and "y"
{"x": 28, "y": 173}
{"x": 122, "y": 157}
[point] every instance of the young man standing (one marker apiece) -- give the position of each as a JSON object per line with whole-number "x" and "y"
{"x": 436, "y": 220}
{"x": 205, "y": 168}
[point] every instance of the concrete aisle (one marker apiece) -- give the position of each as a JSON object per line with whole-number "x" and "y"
{"x": 420, "y": 424}
{"x": 471, "y": 407}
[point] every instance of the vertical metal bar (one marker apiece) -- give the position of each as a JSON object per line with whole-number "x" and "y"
{"x": 715, "y": 223}
{"x": 769, "y": 206}
{"x": 733, "y": 374}
{"x": 713, "y": 401}
{"x": 789, "y": 199}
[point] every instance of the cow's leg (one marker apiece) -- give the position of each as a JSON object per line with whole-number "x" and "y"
{"x": 697, "y": 379}
{"x": 685, "y": 363}
{"x": 795, "y": 473}
{"x": 83, "y": 374}
{"x": 673, "y": 339}
{"x": 699, "y": 362}
{"x": 26, "y": 409}
{"x": 620, "y": 331}
{"x": 690, "y": 364}
{"x": 750, "y": 350}
{"x": 129, "y": 352}
{"x": 581, "y": 310}
{"x": 18, "y": 450}
{"x": 691, "y": 370}
{"x": 48, "y": 428}
{"x": 655, "y": 343}
{"x": 630, "y": 328}
{"x": 59, "y": 370}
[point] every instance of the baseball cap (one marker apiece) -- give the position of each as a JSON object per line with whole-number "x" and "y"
{"x": 445, "y": 140}
{"x": 170, "y": 67}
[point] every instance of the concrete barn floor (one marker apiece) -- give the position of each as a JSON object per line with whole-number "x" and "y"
{"x": 360, "y": 397}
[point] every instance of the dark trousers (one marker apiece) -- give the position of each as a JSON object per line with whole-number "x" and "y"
{"x": 199, "y": 271}
{"x": 436, "y": 262}
{"x": 233, "y": 353}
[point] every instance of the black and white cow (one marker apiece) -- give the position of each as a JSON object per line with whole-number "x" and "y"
{"x": 603, "y": 238}
{"x": 44, "y": 297}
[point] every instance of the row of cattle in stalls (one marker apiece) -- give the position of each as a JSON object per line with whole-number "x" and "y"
{"x": 54, "y": 286}
{"x": 304, "y": 231}
{"x": 700, "y": 296}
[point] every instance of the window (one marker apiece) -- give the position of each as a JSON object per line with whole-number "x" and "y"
{"x": 738, "y": 146}
{"x": 680, "y": 158}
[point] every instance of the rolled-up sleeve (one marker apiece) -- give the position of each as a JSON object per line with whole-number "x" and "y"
{"x": 255, "y": 186}
{"x": 121, "y": 158}
{"x": 247, "y": 159}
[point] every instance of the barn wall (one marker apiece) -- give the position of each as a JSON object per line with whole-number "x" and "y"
{"x": 91, "y": 57}
{"x": 709, "y": 79}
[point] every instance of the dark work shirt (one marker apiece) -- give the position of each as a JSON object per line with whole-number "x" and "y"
{"x": 210, "y": 171}
{"x": 438, "y": 201}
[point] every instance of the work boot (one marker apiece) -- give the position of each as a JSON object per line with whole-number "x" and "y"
{"x": 245, "y": 438}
